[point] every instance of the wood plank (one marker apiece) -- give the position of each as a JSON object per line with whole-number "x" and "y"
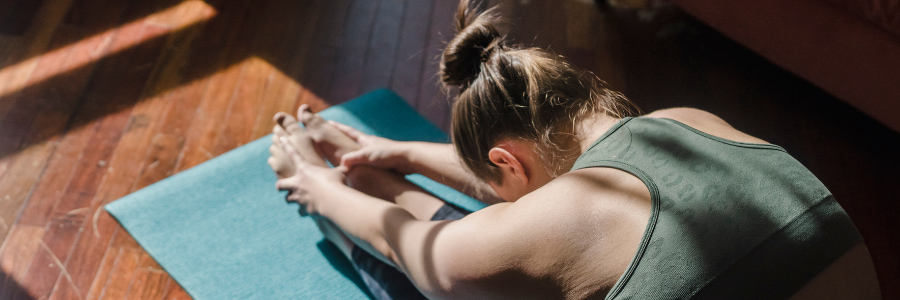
{"x": 103, "y": 274}
{"x": 176, "y": 292}
{"x": 28, "y": 102}
{"x": 47, "y": 214}
{"x": 163, "y": 155}
{"x": 97, "y": 16}
{"x": 224, "y": 39}
{"x": 125, "y": 266}
{"x": 13, "y": 70}
{"x": 24, "y": 173}
{"x": 16, "y": 16}
{"x": 244, "y": 106}
{"x": 149, "y": 280}
{"x": 47, "y": 265}
{"x": 40, "y": 117}
{"x": 282, "y": 38}
{"x": 308, "y": 96}
{"x": 13, "y": 130}
{"x": 176, "y": 115}
{"x": 167, "y": 117}
{"x": 410, "y": 57}
{"x": 280, "y": 95}
{"x": 92, "y": 166}
{"x": 41, "y": 29}
{"x": 122, "y": 174}
{"x": 203, "y": 133}
{"x": 293, "y": 60}
{"x": 16, "y": 256}
{"x": 229, "y": 30}
{"x": 8, "y": 8}
{"x": 110, "y": 97}
{"x": 432, "y": 103}
{"x": 347, "y": 78}
{"x": 95, "y": 238}
{"x": 148, "y": 283}
{"x": 323, "y": 57}
{"x": 112, "y": 108}
{"x": 289, "y": 55}
{"x": 382, "y": 50}
{"x": 53, "y": 185}
{"x": 61, "y": 95}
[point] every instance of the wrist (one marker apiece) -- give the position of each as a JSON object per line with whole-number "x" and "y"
{"x": 412, "y": 157}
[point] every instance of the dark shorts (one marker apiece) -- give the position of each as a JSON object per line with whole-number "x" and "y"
{"x": 386, "y": 282}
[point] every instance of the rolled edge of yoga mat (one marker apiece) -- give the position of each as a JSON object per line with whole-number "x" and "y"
{"x": 222, "y": 230}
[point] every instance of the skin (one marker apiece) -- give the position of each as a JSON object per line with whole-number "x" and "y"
{"x": 569, "y": 237}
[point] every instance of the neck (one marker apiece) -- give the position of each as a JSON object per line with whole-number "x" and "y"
{"x": 592, "y": 128}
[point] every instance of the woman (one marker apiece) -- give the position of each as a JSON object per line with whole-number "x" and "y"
{"x": 592, "y": 202}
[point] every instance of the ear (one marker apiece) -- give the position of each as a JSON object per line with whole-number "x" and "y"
{"x": 508, "y": 164}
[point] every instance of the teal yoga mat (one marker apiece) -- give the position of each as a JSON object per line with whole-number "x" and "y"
{"x": 223, "y": 232}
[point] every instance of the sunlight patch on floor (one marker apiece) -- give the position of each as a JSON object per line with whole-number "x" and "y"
{"x": 22, "y": 75}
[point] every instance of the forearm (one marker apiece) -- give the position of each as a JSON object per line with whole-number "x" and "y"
{"x": 441, "y": 163}
{"x": 359, "y": 216}
{"x": 391, "y": 232}
{"x": 385, "y": 186}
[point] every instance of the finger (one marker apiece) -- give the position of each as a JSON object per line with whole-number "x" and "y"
{"x": 277, "y": 151}
{"x": 285, "y": 185}
{"x": 296, "y": 157}
{"x": 342, "y": 169}
{"x": 349, "y": 131}
{"x": 353, "y": 158}
{"x": 288, "y": 122}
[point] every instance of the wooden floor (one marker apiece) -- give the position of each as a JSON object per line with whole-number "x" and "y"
{"x": 99, "y": 98}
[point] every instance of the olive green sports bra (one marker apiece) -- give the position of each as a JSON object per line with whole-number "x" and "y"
{"x": 729, "y": 220}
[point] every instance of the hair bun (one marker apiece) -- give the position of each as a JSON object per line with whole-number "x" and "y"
{"x": 477, "y": 39}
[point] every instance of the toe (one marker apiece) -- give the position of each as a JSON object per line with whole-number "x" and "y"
{"x": 309, "y": 119}
{"x": 288, "y": 122}
{"x": 278, "y": 133}
{"x": 279, "y": 117}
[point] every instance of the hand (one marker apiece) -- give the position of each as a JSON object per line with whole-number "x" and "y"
{"x": 376, "y": 151}
{"x": 311, "y": 184}
{"x": 287, "y": 129}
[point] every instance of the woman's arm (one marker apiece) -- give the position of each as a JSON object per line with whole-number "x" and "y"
{"x": 505, "y": 250}
{"x": 433, "y": 160}
{"x": 424, "y": 250}
{"x": 441, "y": 163}
{"x": 484, "y": 255}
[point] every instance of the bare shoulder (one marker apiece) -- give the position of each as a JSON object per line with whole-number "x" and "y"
{"x": 705, "y": 122}
{"x": 563, "y": 228}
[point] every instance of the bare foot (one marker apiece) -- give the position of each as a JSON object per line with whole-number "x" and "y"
{"x": 279, "y": 160}
{"x": 287, "y": 130}
{"x": 318, "y": 139}
{"x": 331, "y": 142}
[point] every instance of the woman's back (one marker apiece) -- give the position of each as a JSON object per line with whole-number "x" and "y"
{"x": 728, "y": 218}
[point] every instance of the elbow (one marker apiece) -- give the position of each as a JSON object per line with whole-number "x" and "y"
{"x": 451, "y": 280}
